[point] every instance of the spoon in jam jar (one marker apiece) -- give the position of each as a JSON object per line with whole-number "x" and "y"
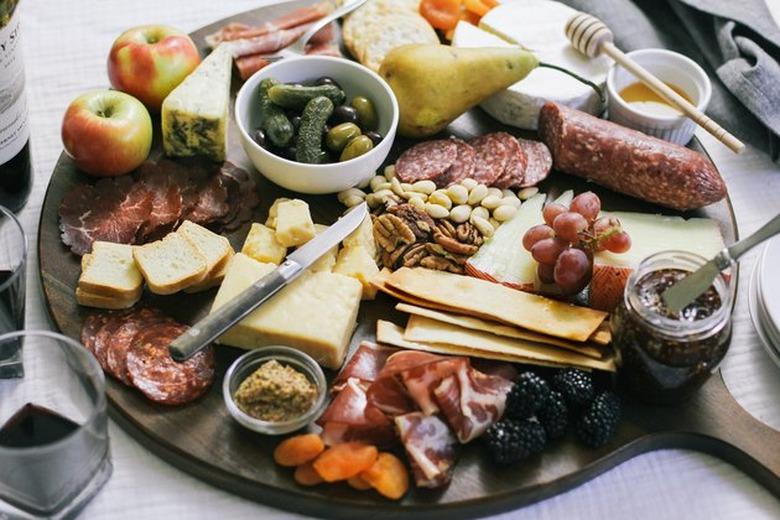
{"x": 679, "y": 295}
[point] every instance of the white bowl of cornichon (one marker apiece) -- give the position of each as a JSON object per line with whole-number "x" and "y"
{"x": 316, "y": 124}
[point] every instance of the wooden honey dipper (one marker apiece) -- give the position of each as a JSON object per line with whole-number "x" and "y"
{"x": 591, "y": 37}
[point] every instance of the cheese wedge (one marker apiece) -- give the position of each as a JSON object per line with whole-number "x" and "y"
{"x": 261, "y": 245}
{"x": 363, "y": 236}
{"x": 316, "y": 313}
{"x": 195, "y": 114}
{"x": 426, "y": 330}
{"x": 294, "y": 226}
{"x": 493, "y": 301}
{"x": 360, "y": 265}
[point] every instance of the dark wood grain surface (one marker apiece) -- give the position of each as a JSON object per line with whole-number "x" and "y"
{"x": 203, "y": 440}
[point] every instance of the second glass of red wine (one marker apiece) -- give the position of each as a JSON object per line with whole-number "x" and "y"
{"x": 13, "y": 264}
{"x": 54, "y": 450}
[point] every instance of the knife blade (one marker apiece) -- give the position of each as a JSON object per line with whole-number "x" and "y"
{"x": 204, "y": 332}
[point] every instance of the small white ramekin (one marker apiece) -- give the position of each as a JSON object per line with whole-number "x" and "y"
{"x": 670, "y": 67}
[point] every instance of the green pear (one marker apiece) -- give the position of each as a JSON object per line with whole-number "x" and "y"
{"x": 435, "y": 84}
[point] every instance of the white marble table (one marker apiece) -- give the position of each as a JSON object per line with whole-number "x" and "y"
{"x": 66, "y": 44}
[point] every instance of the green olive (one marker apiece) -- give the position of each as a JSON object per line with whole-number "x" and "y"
{"x": 338, "y": 136}
{"x": 356, "y": 147}
{"x": 366, "y": 112}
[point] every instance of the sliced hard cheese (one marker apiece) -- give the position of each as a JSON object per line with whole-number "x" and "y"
{"x": 316, "y": 313}
{"x": 537, "y": 25}
{"x": 355, "y": 261}
{"x": 478, "y": 324}
{"x": 195, "y": 114}
{"x": 261, "y": 245}
{"x": 650, "y": 234}
{"x": 363, "y": 236}
{"x": 486, "y": 299}
{"x": 425, "y": 330}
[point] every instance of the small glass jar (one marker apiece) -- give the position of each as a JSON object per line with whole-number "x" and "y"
{"x": 664, "y": 358}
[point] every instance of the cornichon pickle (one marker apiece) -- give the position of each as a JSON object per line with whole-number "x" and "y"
{"x": 365, "y": 111}
{"x": 340, "y": 135}
{"x": 309, "y": 142}
{"x": 297, "y": 96}
{"x": 273, "y": 121}
{"x": 356, "y": 147}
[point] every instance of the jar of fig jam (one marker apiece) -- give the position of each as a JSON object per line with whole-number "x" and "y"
{"x": 663, "y": 357}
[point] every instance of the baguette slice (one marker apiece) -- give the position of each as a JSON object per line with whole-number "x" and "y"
{"x": 171, "y": 264}
{"x": 215, "y": 248}
{"x": 110, "y": 271}
{"x": 89, "y": 299}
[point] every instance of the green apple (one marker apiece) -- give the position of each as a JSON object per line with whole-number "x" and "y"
{"x": 151, "y": 60}
{"x": 107, "y": 132}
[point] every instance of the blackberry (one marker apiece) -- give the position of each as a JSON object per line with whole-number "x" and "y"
{"x": 527, "y": 396}
{"x": 600, "y": 420}
{"x": 575, "y": 385}
{"x": 554, "y": 415}
{"x": 512, "y": 441}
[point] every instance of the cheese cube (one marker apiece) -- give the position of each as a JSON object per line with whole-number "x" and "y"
{"x": 328, "y": 260}
{"x": 273, "y": 212}
{"x": 261, "y": 244}
{"x": 316, "y": 313}
{"x": 294, "y": 226}
{"x": 360, "y": 265}
{"x": 363, "y": 236}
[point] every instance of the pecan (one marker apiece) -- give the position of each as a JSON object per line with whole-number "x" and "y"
{"x": 468, "y": 234}
{"x": 436, "y": 249}
{"x": 453, "y": 245}
{"x": 391, "y": 232}
{"x": 414, "y": 254}
{"x": 421, "y": 224}
{"x": 441, "y": 264}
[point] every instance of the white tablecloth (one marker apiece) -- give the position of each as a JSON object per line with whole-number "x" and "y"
{"x": 66, "y": 44}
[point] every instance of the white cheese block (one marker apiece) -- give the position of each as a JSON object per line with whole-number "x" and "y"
{"x": 537, "y": 25}
{"x": 316, "y": 313}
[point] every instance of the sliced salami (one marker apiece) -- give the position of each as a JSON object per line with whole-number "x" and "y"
{"x": 90, "y": 329}
{"x": 426, "y": 161}
{"x": 105, "y": 335}
{"x": 539, "y": 162}
{"x": 491, "y": 160}
{"x": 462, "y": 168}
{"x": 514, "y": 172}
{"x": 159, "y": 377}
{"x": 123, "y": 338}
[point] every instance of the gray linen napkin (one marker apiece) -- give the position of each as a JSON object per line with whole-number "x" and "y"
{"x": 736, "y": 41}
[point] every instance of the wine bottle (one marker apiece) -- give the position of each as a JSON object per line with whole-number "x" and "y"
{"x": 15, "y": 164}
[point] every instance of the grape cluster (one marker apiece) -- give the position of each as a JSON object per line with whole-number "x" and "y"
{"x": 564, "y": 245}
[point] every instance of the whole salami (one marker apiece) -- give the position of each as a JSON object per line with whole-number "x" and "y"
{"x": 628, "y": 161}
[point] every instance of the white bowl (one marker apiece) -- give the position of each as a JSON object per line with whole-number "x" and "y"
{"x": 670, "y": 67}
{"x": 356, "y": 80}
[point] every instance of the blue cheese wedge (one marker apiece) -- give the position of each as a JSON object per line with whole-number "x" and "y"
{"x": 195, "y": 114}
{"x": 537, "y": 25}
{"x": 317, "y": 313}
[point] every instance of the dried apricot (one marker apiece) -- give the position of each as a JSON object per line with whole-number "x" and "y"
{"x": 298, "y": 450}
{"x": 345, "y": 460}
{"x": 388, "y": 476}
{"x": 357, "y": 482}
{"x": 306, "y": 475}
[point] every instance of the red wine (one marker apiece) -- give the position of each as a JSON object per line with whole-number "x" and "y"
{"x": 35, "y": 425}
{"x": 15, "y": 164}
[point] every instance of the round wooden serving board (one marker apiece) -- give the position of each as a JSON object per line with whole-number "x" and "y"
{"x": 202, "y": 439}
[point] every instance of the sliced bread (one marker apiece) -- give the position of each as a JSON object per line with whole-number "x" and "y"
{"x": 214, "y": 278}
{"x": 215, "y": 248}
{"x": 100, "y": 301}
{"x": 171, "y": 264}
{"x": 110, "y": 271}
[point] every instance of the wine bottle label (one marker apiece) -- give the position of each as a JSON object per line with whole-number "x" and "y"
{"x": 14, "y": 125}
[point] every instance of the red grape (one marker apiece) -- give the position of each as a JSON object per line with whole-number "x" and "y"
{"x": 572, "y": 271}
{"x": 551, "y": 211}
{"x": 546, "y": 273}
{"x": 586, "y": 204}
{"x": 569, "y": 225}
{"x": 546, "y": 251}
{"x": 617, "y": 242}
{"x": 605, "y": 226}
{"x": 535, "y": 234}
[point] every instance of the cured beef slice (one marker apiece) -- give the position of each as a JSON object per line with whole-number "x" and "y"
{"x": 112, "y": 210}
{"x": 243, "y": 201}
{"x": 516, "y": 164}
{"x": 540, "y": 162}
{"x": 491, "y": 160}
{"x": 629, "y": 161}
{"x": 166, "y": 201}
{"x": 426, "y": 161}
{"x": 462, "y": 168}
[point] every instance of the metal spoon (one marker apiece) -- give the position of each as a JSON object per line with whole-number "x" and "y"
{"x": 677, "y": 296}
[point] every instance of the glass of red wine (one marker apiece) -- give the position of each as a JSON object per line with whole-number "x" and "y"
{"x": 13, "y": 263}
{"x": 54, "y": 450}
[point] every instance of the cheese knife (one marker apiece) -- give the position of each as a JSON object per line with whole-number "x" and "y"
{"x": 204, "y": 332}
{"x": 682, "y": 293}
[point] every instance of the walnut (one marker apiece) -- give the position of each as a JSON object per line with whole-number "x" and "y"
{"x": 414, "y": 254}
{"x": 391, "y": 231}
{"x": 441, "y": 264}
{"x": 453, "y": 245}
{"x": 419, "y": 222}
{"x": 469, "y": 234}
{"x": 436, "y": 249}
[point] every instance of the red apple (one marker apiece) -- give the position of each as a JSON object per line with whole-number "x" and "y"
{"x": 151, "y": 60}
{"x": 107, "y": 132}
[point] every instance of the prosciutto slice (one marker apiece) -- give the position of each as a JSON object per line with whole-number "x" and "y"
{"x": 267, "y": 43}
{"x": 350, "y": 417}
{"x": 388, "y": 392}
{"x": 420, "y": 381}
{"x": 364, "y": 365}
{"x": 430, "y": 446}
{"x": 471, "y": 401}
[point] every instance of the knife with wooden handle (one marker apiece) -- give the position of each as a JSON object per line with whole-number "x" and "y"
{"x": 203, "y": 333}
